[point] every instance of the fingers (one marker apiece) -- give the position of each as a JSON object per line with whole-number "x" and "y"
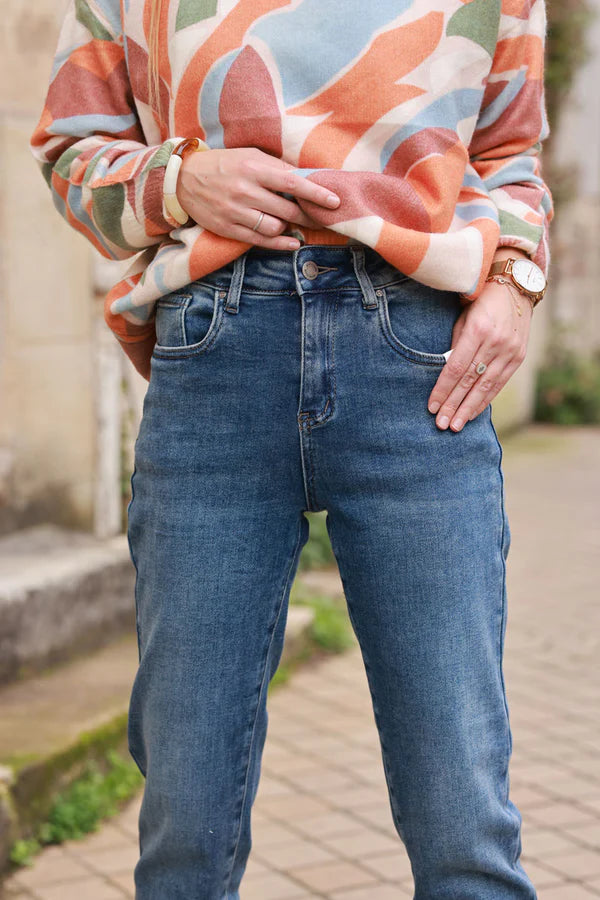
{"x": 268, "y": 226}
{"x": 287, "y": 182}
{"x": 472, "y": 391}
{"x": 457, "y": 369}
{"x": 248, "y": 236}
{"x": 281, "y": 208}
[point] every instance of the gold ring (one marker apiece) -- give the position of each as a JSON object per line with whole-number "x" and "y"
{"x": 260, "y": 218}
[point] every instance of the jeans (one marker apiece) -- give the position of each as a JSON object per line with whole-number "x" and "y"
{"x": 293, "y": 381}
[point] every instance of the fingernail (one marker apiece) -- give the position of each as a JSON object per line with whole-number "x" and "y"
{"x": 332, "y": 200}
{"x": 434, "y": 406}
{"x": 443, "y": 421}
{"x": 293, "y": 245}
{"x": 457, "y": 423}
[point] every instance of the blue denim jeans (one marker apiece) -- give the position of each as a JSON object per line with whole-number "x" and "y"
{"x": 298, "y": 381}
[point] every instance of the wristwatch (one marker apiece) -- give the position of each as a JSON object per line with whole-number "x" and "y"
{"x": 526, "y": 276}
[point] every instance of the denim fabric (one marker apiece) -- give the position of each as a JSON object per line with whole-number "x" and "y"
{"x": 294, "y": 381}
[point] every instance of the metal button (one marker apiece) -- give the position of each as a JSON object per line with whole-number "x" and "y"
{"x": 310, "y": 270}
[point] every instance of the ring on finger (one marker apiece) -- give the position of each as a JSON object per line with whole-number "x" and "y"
{"x": 258, "y": 224}
{"x": 480, "y": 367}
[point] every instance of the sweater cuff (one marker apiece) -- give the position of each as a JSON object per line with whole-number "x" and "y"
{"x": 158, "y": 219}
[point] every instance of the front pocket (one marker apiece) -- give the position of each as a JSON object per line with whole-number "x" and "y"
{"x": 417, "y": 320}
{"x": 187, "y": 321}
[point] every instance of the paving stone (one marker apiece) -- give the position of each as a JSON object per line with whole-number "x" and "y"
{"x": 333, "y": 876}
{"x": 290, "y": 855}
{"x": 111, "y": 861}
{"x": 88, "y": 888}
{"x": 381, "y": 892}
{"x": 363, "y": 841}
{"x": 272, "y": 887}
{"x": 388, "y": 866}
{"x": 570, "y": 891}
{"x": 588, "y": 835}
{"x": 327, "y": 825}
{"x": 125, "y": 882}
{"x": 543, "y": 843}
{"x": 561, "y": 815}
{"x": 268, "y": 833}
{"x": 52, "y": 865}
{"x": 582, "y": 864}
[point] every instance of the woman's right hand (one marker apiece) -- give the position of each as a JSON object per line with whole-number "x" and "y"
{"x": 225, "y": 192}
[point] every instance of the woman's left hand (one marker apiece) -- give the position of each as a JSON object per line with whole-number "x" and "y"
{"x": 488, "y": 330}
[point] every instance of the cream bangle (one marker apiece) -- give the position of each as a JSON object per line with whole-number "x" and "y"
{"x": 171, "y": 204}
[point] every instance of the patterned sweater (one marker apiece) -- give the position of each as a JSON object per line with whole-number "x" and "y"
{"x": 426, "y": 117}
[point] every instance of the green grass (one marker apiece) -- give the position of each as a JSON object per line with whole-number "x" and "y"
{"x": 568, "y": 389}
{"x": 96, "y": 795}
{"x": 331, "y": 629}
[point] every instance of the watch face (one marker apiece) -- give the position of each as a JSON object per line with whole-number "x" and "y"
{"x": 528, "y": 275}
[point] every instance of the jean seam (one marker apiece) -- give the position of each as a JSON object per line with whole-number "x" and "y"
{"x": 200, "y": 347}
{"x": 329, "y": 408}
{"x": 137, "y": 618}
{"x": 290, "y": 570}
{"x": 503, "y": 598}
{"x": 131, "y": 553}
{"x": 503, "y": 614}
{"x": 414, "y": 356}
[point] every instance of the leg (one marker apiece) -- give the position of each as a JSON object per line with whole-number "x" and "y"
{"x": 417, "y": 521}
{"x": 427, "y": 596}
{"x": 215, "y": 530}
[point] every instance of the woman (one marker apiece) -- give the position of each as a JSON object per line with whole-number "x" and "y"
{"x": 366, "y": 172}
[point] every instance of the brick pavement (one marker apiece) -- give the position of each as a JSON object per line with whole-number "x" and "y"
{"x": 321, "y": 822}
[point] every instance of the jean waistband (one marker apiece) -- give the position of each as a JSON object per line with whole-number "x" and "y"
{"x": 311, "y": 268}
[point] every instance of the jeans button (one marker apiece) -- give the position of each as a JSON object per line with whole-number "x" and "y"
{"x": 310, "y": 270}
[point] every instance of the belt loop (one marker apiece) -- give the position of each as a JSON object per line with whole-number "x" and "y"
{"x": 235, "y": 286}
{"x": 369, "y": 298}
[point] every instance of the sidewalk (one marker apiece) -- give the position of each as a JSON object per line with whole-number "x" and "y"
{"x": 321, "y": 822}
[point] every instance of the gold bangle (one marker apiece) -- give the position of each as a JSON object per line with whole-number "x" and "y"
{"x": 511, "y": 287}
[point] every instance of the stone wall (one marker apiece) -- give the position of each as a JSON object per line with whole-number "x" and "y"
{"x": 46, "y": 353}
{"x": 576, "y": 240}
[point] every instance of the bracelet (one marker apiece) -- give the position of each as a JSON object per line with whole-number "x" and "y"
{"x": 171, "y": 203}
{"x": 512, "y": 289}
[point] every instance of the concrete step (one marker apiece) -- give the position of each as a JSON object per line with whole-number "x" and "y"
{"x": 62, "y": 594}
{"x": 52, "y": 723}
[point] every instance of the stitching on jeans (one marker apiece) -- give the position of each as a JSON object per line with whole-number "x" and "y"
{"x": 320, "y": 420}
{"x": 135, "y": 591}
{"x": 200, "y": 347}
{"x": 503, "y": 613}
{"x": 294, "y": 556}
{"x": 414, "y": 356}
{"x": 315, "y": 506}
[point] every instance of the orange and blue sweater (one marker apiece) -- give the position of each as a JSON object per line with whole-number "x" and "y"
{"x": 426, "y": 117}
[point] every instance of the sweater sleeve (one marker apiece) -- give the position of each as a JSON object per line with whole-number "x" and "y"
{"x": 89, "y": 143}
{"x": 511, "y": 126}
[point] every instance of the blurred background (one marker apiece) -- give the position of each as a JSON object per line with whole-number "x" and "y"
{"x": 70, "y": 405}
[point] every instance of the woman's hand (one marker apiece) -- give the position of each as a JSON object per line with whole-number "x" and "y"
{"x": 489, "y": 330}
{"x": 225, "y": 191}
